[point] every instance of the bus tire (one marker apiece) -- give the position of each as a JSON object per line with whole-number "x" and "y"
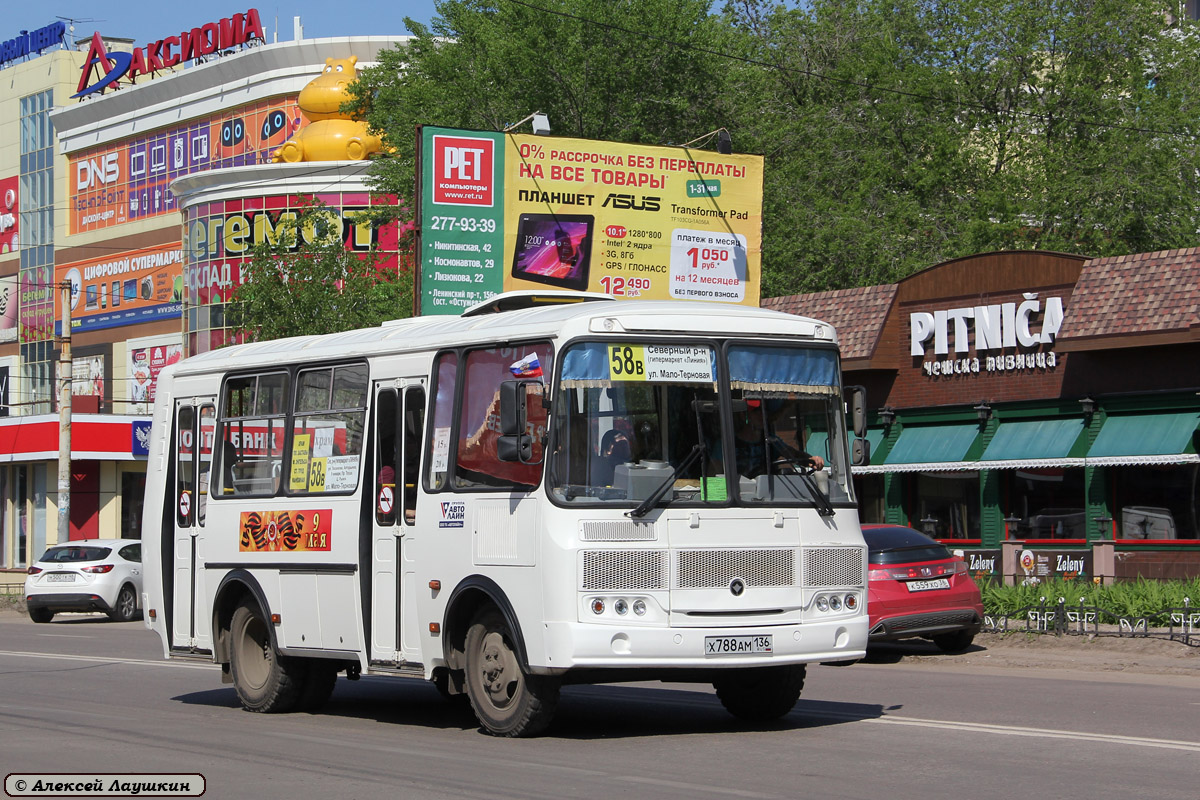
{"x": 319, "y": 680}
{"x": 264, "y": 680}
{"x": 507, "y": 700}
{"x": 761, "y": 694}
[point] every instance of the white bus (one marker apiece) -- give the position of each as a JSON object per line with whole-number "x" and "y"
{"x": 551, "y": 488}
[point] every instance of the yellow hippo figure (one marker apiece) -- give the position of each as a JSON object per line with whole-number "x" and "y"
{"x": 330, "y": 135}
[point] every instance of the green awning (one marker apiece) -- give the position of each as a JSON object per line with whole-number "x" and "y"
{"x": 931, "y": 447}
{"x": 1033, "y": 443}
{"x": 1146, "y": 439}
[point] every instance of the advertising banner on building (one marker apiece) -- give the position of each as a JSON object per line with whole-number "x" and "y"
{"x": 144, "y": 365}
{"x": 113, "y": 185}
{"x": 36, "y": 310}
{"x": 10, "y": 215}
{"x": 500, "y": 212}
{"x": 8, "y": 308}
{"x": 126, "y": 289}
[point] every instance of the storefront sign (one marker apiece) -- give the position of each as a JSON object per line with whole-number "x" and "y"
{"x": 134, "y": 287}
{"x": 982, "y": 564}
{"x": 10, "y": 215}
{"x": 503, "y": 211}
{"x": 990, "y": 329}
{"x": 1065, "y": 564}
{"x": 208, "y": 39}
{"x": 31, "y": 42}
{"x": 130, "y": 181}
{"x": 220, "y": 236}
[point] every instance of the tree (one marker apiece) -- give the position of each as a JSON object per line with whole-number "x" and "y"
{"x": 308, "y": 282}
{"x": 905, "y": 133}
{"x": 622, "y": 70}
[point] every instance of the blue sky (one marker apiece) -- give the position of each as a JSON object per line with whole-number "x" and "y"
{"x": 147, "y": 23}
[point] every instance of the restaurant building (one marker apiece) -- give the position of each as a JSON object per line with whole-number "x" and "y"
{"x": 1040, "y": 399}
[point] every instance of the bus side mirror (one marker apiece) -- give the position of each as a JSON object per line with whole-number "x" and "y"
{"x": 512, "y": 408}
{"x": 860, "y": 452}
{"x": 514, "y": 443}
{"x": 856, "y": 397}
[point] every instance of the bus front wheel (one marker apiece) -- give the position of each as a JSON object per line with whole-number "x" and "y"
{"x": 507, "y": 700}
{"x": 761, "y": 694}
{"x": 265, "y": 681}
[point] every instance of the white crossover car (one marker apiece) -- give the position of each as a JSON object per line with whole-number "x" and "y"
{"x": 86, "y": 575}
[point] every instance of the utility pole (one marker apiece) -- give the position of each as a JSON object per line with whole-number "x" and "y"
{"x": 65, "y": 375}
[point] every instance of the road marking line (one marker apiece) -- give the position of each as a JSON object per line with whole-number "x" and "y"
{"x": 108, "y": 660}
{"x": 1036, "y": 733}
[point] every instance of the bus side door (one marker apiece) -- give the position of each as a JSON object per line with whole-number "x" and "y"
{"x": 399, "y": 423}
{"x": 195, "y": 425}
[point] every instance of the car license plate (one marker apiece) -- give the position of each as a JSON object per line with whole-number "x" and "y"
{"x": 924, "y": 586}
{"x": 737, "y": 645}
{"x": 60, "y": 577}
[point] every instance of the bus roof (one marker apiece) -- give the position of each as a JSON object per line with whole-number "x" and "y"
{"x": 643, "y": 317}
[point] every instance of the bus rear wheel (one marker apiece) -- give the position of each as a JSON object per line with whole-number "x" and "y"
{"x": 264, "y": 680}
{"x": 507, "y": 700}
{"x": 761, "y": 694}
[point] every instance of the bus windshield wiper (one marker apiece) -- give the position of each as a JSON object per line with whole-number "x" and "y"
{"x": 793, "y": 457}
{"x": 644, "y": 507}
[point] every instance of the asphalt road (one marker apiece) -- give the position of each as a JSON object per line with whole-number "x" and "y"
{"x": 83, "y": 695}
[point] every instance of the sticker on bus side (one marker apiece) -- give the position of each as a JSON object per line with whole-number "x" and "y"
{"x": 286, "y": 531}
{"x": 454, "y": 514}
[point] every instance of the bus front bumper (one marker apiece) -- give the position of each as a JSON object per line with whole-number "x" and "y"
{"x": 574, "y": 645}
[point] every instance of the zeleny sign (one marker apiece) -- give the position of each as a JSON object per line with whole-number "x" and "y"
{"x": 207, "y": 39}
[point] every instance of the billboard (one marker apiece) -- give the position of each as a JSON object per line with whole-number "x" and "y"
{"x": 8, "y": 308}
{"x": 114, "y": 185}
{"x": 500, "y": 212}
{"x": 143, "y": 365}
{"x": 138, "y": 286}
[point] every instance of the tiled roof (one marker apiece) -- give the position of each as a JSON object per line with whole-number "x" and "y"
{"x": 1135, "y": 294}
{"x": 856, "y": 314}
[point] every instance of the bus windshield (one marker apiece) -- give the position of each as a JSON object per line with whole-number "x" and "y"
{"x": 684, "y": 423}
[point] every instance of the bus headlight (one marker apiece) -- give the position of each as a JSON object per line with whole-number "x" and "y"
{"x": 621, "y": 607}
{"x": 597, "y": 606}
{"x": 822, "y": 603}
{"x": 851, "y": 602}
{"x": 835, "y": 603}
{"x": 639, "y": 607}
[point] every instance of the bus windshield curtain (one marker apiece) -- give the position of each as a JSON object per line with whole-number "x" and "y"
{"x": 807, "y": 370}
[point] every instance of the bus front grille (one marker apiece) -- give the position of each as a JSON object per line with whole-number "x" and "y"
{"x": 710, "y": 569}
{"x": 833, "y": 566}
{"x": 625, "y": 570}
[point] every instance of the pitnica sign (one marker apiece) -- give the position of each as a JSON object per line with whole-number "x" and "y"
{"x": 212, "y": 37}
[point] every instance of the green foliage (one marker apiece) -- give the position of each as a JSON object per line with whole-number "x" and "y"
{"x": 485, "y": 65}
{"x": 1127, "y": 599}
{"x": 307, "y": 282}
{"x": 896, "y": 134}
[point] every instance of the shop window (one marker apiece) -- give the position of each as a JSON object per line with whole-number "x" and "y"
{"x": 944, "y": 505}
{"x": 1046, "y": 504}
{"x": 869, "y": 491}
{"x": 1156, "y": 501}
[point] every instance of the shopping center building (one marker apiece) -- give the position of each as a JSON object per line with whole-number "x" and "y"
{"x": 144, "y": 193}
{"x": 1033, "y": 397}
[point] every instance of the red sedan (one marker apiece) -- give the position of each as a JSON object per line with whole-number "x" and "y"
{"x": 917, "y": 588}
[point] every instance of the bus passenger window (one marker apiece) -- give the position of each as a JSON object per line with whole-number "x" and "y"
{"x": 327, "y": 431}
{"x": 414, "y": 426}
{"x": 445, "y": 379}
{"x": 385, "y": 458}
{"x": 252, "y": 420}
{"x": 477, "y": 463}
